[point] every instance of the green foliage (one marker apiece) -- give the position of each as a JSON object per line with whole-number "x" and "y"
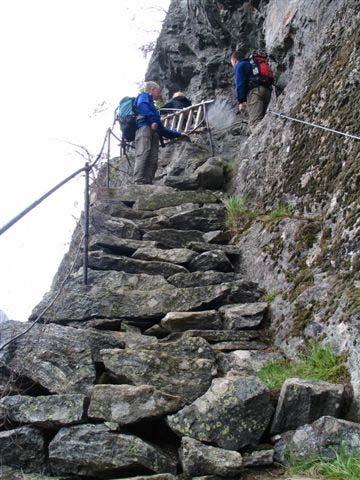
{"x": 269, "y": 296}
{"x": 317, "y": 363}
{"x": 345, "y": 466}
{"x": 238, "y": 216}
{"x": 282, "y": 211}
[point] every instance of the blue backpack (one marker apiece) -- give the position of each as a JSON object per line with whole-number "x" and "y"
{"x": 126, "y": 114}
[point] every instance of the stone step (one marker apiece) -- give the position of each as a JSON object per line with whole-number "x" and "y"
{"x": 182, "y": 321}
{"x": 179, "y": 256}
{"x": 243, "y": 316}
{"x": 131, "y": 193}
{"x": 121, "y": 246}
{"x": 172, "y": 198}
{"x": 216, "y": 336}
{"x": 207, "y": 247}
{"x": 173, "y": 238}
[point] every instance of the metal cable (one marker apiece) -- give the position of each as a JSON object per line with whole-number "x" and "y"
{"x": 50, "y": 304}
{"x": 332, "y": 130}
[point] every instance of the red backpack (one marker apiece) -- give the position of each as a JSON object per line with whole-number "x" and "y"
{"x": 263, "y": 75}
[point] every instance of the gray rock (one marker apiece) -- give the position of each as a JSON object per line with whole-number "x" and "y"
{"x": 125, "y": 404}
{"x": 304, "y": 401}
{"x": 217, "y": 236}
{"x": 24, "y": 448}
{"x": 181, "y": 321}
{"x": 199, "y": 459}
{"x": 258, "y": 458}
{"x": 184, "y": 368}
{"x": 95, "y": 451}
{"x": 179, "y": 256}
{"x": 59, "y": 359}
{"x": 157, "y": 201}
{"x": 209, "y": 217}
{"x": 214, "y": 260}
{"x": 182, "y": 182}
{"x": 115, "y": 208}
{"x": 325, "y": 437}
{"x": 246, "y": 361}
{"x": 8, "y": 473}
{"x": 197, "y": 279}
{"x": 133, "y": 339}
{"x": 232, "y": 414}
{"x": 214, "y": 336}
{"x": 118, "y": 245}
{"x": 121, "y": 227}
{"x": 44, "y": 411}
{"x": 132, "y": 193}
{"x": 103, "y": 261}
{"x": 211, "y": 174}
{"x": 243, "y": 316}
{"x": 244, "y": 291}
{"x": 207, "y": 247}
{"x": 239, "y": 345}
{"x": 172, "y": 238}
{"x": 102, "y": 299}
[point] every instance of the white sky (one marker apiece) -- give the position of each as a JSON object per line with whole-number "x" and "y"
{"x": 59, "y": 60}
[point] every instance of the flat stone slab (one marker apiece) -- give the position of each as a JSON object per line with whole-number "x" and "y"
{"x": 126, "y": 404}
{"x": 325, "y": 437}
{"x": 199, "y": 459}
{"x": 184, "y": 368}
{"x": 197, "y": 279}
{"x": 178, "y": 256}
{"x": 258, "y": 458}
{"x": 95, "y": 451}
{"x": 232, "y": 414}
{"x": 23, "y": 448}
{"x": 103, "y": 261}
{"x": 105, "y": 224}
{"x": 173, "y": 238}
{"x": 243, "y": 316}
{"x": 158, "y": 200}
{"x": 132, "y": 193}
{"x": 246, "y": 361}
{"x": 209, "y": 217}
{"x": 44, "y": 411}
{"x": 304, "y": 401}
{"x": 239, "y": 345}
{"x": 102, "y": 299}
{"x": 214, "y": 260}
{"x": 182, "y": 321}
{"x": 214, "y": 336}
{"x": 120, "y": 246}
{"x": 208, "y": 247}
{"x": 9, "y": 473}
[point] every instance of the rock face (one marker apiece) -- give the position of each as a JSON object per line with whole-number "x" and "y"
{"x": 125, "y": 404}
{"x": 304, "y": 401}
{"x": 325, "y": 437}
{"x": 96, "y": 451}
{"x": 232, "y": 414}
{"x": 184, "y": 368}
{"x": 23, "y": 448}
{"x": 198, "y": 459}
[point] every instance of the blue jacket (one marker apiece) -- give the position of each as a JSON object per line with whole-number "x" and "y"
{"x": 242, "y": 74}
{"x": 144, "y": 104}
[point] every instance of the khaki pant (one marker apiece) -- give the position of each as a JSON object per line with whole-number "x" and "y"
{"x": 146, "y": 155}
{"x": 258, "y": 100}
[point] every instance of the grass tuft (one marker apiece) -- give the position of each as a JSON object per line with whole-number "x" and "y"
{"x": 345, "y": 466}
{"x": 318, "y": 363}
{"x": 269, "y": 296}
{"x": 238, "y": 216}
{"x": 281, "y": 211}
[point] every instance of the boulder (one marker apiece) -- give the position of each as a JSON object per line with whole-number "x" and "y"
{"x": 214, "y": 260}
{"x": 304, "y": 401}
{"x": 104, "y": 261}
{"x": 258, "y": 458}
{"x": 246, "y": 361}
{"x": 172, "y": 238}
{"x": 197, "y": 279}
{"x": 211, "y": 174}
{"x": 199, "y": 459}
{"x": 244, "y": 291}
{"x": 182, "y": 182}
{"x": 93, "y": 450}
{"x": 120, "y": 246}
{"x": 157, "y": 201}
{"x": 233, "y": 414}
{"x": 43, "y": 411}
{"x": 125, "y": 404}
{"x": 23, "y": 448}
{"x": 209, "y": 217}
{"x": 179, "y": 256}
{"x": 182, "y": 321}
{"x": 105, "y": 224}
{"x": 326, "y": 437}
{"x": 184, "y": 368}
{"x": 243, "y": 316}
{"x": 217, "y": 236}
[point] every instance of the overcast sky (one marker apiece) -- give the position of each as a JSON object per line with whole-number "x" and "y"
{"x": 60, "y": 60}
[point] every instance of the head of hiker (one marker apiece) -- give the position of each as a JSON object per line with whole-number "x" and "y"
{"x": 149, "y": 132}
{"x": 253, "y": 83}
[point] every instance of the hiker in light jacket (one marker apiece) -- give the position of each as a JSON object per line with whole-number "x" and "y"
{"x": 149, "y": 130}
{"x": 250, "y": 94}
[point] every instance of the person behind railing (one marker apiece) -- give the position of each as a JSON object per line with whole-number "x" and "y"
{"x": 149, "y": 131}
{"x": 178, "y": 102}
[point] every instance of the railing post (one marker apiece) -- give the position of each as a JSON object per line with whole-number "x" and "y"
{"x": 87, "y": 169}
{"x": 108, "y": 161}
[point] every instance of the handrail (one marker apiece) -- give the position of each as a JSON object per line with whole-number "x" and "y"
{"x": 188, "y": 119}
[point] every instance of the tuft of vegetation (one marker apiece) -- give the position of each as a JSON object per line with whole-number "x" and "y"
{"x": 269, "y": 296}
{"x": 281, "y": 212}
{"x": 317, "y": 363}
{"x": 238, "y": 216}
{"x": 345, "y": 466}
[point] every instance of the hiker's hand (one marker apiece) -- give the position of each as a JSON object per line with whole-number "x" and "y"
{"x": 185, "y": 137}
{"x": 154, "y": 126}
{"x": 242, "y": 107}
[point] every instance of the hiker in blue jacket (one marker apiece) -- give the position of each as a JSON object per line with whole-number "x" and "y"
{"x": 149, "y": 131}
{"x": 252, "y": 92}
